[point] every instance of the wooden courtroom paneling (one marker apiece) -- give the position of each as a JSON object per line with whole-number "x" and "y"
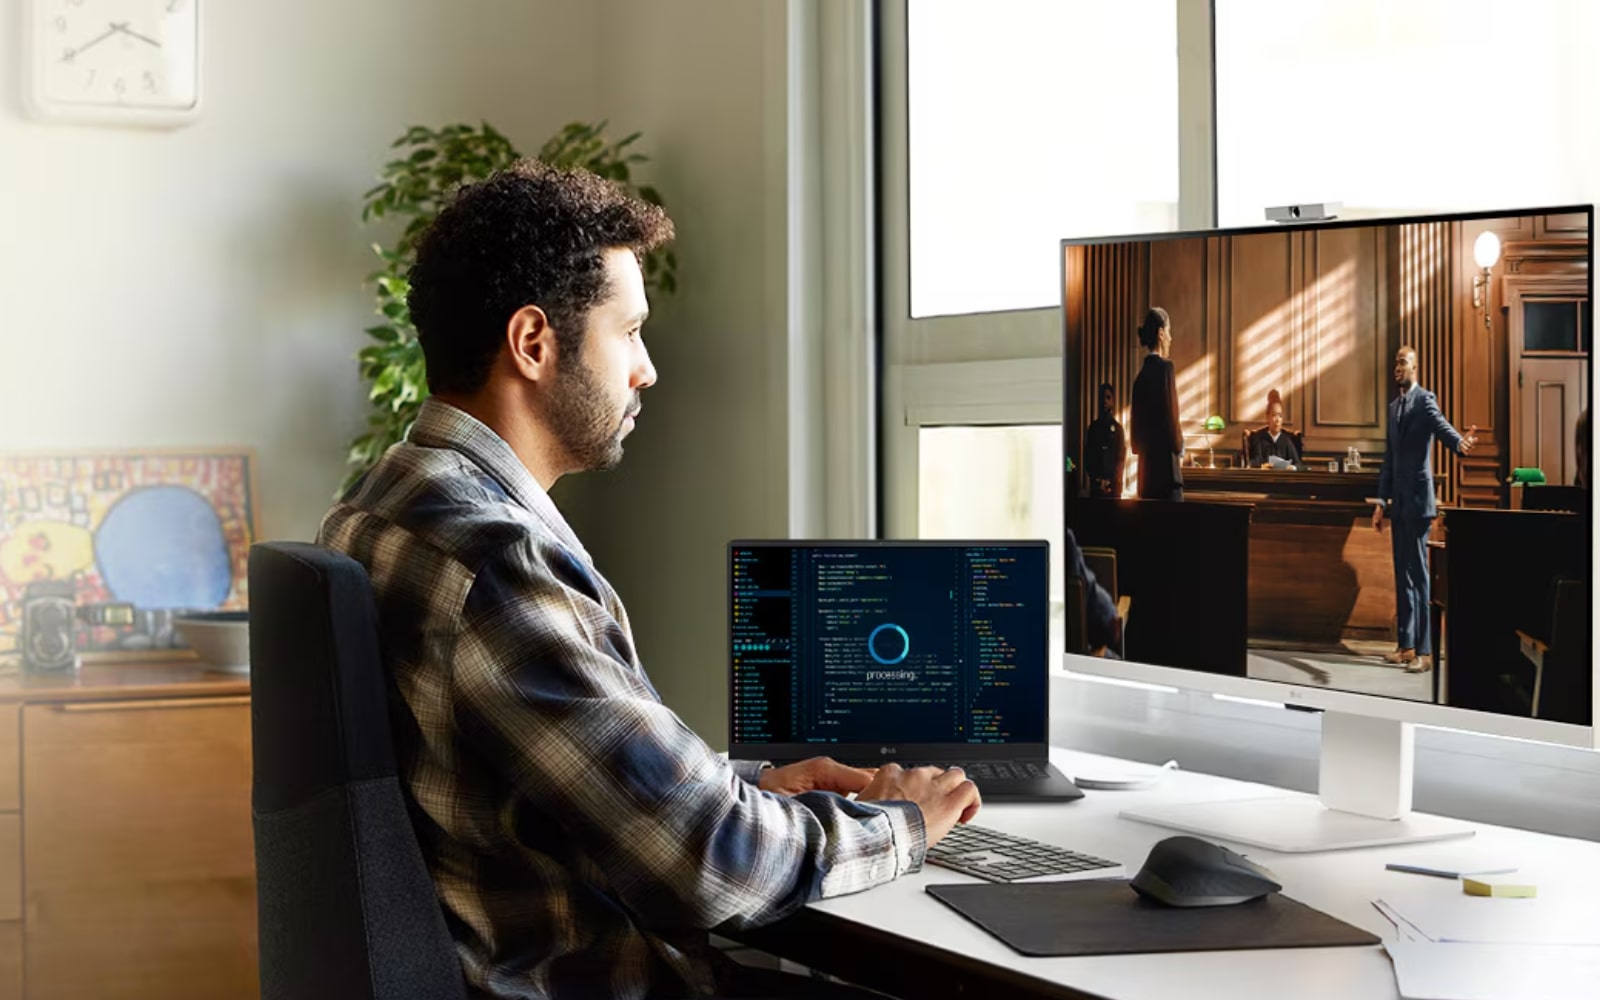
{"x": 1260, "y": 331}
{"x": 1428, "y": 304}
{"x": 165, "y": 906}
{"x": 1480, "y": 370}
{"x": 1563, "y": 226}
{"x": 1178, "y": 285}
{"x": 1345, "y": 301}
{"x": 1553, "y": 392}
{"x": 1111, "y": 282}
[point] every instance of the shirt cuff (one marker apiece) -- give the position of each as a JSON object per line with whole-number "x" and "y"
{"x": 910, "y": 835}
{"x": 750, "y": 770}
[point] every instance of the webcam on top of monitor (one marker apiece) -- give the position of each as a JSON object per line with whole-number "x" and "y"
{"x": 1315, "y": 211}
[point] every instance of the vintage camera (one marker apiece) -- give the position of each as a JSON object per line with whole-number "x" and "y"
{"x": 49, "y": 625}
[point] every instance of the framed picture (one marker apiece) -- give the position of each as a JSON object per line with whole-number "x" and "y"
{"x": 141, "y": 535}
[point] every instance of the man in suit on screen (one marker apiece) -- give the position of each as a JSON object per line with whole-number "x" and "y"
{"x": 1405, "y": 491}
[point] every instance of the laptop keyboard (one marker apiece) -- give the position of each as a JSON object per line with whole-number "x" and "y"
{"x": 991, "y": 770}
{"x": 1001, "y": 857}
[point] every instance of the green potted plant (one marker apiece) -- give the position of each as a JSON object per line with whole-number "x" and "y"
{"x": 415, "y": 186}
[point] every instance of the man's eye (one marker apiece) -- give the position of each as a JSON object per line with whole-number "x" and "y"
{"x": 633, "y": 334}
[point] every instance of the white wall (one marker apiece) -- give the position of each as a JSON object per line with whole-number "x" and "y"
{"x": 704, "y": 80}
{"x": 204, "y": 286}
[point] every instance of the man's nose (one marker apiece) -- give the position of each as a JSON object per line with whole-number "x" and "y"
{"x": 644, "y": 373}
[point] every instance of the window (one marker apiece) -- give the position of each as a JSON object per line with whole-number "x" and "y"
{"x": 1405, "y": 105}
{"x": 992, "y": 483}
{"x": 1089, "y": 113}
{"x": 1008, "y": 153}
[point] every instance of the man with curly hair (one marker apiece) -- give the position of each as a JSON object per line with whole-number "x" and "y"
{"x": 582, "y": 839}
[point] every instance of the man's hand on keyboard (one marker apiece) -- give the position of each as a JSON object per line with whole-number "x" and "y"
{"x": 946, "y": 797}
{"x": 819, "y": 774}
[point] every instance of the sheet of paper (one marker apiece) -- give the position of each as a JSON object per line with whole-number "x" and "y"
{"x": 1446, "y": 914}
{"x": 1440, "y": 971}
{"x": 1403, "y": 928}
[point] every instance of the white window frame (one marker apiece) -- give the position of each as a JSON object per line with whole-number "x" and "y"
{"x": 999, "y": 367}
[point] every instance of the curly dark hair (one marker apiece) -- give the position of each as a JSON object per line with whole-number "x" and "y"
{"x": 531, "y": 234}
{"x": 1155, "y": 321}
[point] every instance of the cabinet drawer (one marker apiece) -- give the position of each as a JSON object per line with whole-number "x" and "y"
{"x": 10, "y": 754}
{"x": 138, "y": 850}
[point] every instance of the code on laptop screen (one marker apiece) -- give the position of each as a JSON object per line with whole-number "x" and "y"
{"x": 924, "y": 643}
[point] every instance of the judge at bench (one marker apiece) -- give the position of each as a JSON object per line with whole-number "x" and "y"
{"x": 1405, "y": 490}
{"x": 1272, "y": 441}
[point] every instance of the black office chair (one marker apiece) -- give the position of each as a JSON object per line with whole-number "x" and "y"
{"x": 346, "y": 906}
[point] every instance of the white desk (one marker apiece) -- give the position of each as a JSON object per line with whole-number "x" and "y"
{"x": 898, "y": 937}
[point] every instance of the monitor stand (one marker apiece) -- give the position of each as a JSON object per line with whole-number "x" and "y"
{"x": 1364, "y": 791}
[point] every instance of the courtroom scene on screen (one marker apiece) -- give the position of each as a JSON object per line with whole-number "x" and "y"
{"x": 1346, "y": 456}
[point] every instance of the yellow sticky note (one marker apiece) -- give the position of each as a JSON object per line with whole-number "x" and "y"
{"x": 1495, "y": 887}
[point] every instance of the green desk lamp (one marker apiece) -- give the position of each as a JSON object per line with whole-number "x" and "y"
{"x": 1213, "y": 425}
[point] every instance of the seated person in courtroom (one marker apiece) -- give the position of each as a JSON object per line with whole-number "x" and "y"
{"x": 1102, "y": 627}
{"x": 581, "y": 837}
{"x": 1272, "y": 441}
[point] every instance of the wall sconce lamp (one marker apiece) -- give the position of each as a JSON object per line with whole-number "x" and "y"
{"x": 1486, "y": 251}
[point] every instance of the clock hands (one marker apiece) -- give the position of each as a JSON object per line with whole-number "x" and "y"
{"x": 123, "y": 27}
{"x": 115, "y": 28}
{"x": 72, "y": 54}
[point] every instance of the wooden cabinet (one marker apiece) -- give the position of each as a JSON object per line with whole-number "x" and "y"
{"x": 127, "y": 869}
{"x": 10, "y": 754}
{"x": 11, "y": 959}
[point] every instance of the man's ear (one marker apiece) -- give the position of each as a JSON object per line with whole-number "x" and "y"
{"x": 531, "y": 341}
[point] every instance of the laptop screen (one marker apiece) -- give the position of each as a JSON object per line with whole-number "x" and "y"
{"x": 888, "y": 642}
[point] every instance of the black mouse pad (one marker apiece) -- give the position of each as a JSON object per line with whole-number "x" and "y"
{"x": 1106, "y": 917}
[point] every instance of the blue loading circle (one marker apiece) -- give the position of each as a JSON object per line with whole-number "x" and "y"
{"x": 873, "y": 638}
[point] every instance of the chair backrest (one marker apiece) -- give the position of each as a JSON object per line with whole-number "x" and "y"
{"x": 1102, "y": 562}
{"x": 346, "y": 905}
{"x": 1568, "y": 683}
{"x": 1075, "y": 612}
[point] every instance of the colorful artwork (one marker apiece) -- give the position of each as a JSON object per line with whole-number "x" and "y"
{"x": 166, "y": 533}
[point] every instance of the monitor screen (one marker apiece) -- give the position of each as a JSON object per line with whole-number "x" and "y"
{"x": 888, "y": 642}
{"x": 1348, "y": 457}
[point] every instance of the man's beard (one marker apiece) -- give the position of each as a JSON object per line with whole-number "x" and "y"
{"x": 588, "y": 428}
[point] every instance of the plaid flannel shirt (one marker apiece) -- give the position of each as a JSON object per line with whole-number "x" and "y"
{"x": 582, "y": 839}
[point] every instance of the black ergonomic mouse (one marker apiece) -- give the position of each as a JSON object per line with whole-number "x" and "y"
{"x": 1187, "y": 871}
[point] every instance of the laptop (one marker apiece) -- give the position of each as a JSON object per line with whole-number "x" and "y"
{"x": 917, "y": 652}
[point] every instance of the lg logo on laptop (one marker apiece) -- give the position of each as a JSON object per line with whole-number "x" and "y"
{"x": 886, "y": 751}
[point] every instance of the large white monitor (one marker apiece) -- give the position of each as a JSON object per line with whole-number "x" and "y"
{"x": 1240, "y": 402}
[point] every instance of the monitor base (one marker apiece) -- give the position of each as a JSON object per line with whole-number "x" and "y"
{"x": 1296, "y": 824}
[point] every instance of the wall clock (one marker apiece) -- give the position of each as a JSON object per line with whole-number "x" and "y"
{"x": 130, "y": 62}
